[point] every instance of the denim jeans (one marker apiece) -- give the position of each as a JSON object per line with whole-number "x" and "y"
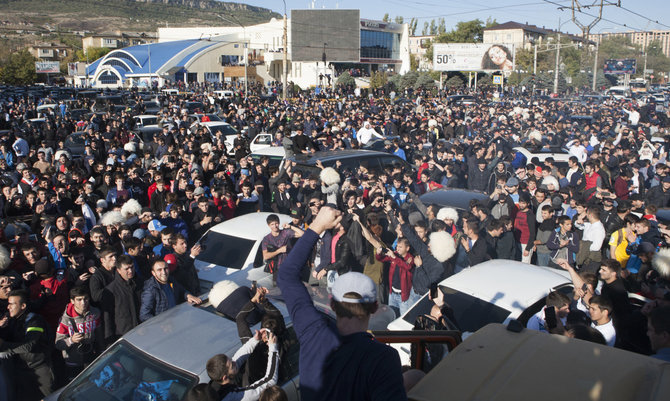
{"x": 543, "y": 258}
{"x": 395, "y": 301}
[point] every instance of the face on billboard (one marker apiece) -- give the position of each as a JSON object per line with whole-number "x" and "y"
{"x": 473, "y": 57}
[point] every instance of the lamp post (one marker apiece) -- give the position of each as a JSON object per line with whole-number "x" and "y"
{"x": 595, "y": 61}
{"x": 558, "y": 54}
{"x": 285, "y": 56}
{"x": 244, "y": 33}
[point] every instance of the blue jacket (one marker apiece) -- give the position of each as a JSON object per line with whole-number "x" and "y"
{"x": 353, "y": 367}
{"x": 154, "y": 300}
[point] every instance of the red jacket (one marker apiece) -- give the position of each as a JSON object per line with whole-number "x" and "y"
{"x": 406, "y": 267}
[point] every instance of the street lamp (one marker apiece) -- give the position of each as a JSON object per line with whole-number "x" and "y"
{"x": 285, "y": 56}
{"x": 558, "y": 53}
{"x": 244, "y": 32}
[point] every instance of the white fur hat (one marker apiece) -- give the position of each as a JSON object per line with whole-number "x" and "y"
{"x": 131, "y": 208}
{"x": 448, "y": 213}
{"x": 329, "y": 176}
{"x": 130, "y": 147}
{"x": 442, "y": 245}
{"x": 5, "y": 260}
{"x": 220, "y": 291}
{"x": 112, "y": 218}
{"x": 661, "y": 262}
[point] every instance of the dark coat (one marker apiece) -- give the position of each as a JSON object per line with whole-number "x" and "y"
{"x": 186, "y": 275}
{"x": 121, "y": 307}
{"x": 98, "y": 281}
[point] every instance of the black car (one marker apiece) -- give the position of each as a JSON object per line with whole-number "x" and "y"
{"x": 351, "y": 159}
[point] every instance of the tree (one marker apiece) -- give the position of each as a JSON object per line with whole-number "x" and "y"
{"x": 412, "y": 26}
{"x": 378, "y": 79}
{"x": 19, "y": 69}
{"x": 413, "y": 62}
{"x": 424, "y": 31}
{"x": 387, "y": 18}
{"x": 345, "y": 79}
{"x": 441, "y": 26}
{"x": 425, "y": 81}
{"x": 94, "y": 53}
{"x": 399, "y": 19}
{"x": 454, "y": 82}
{"x": 433, "y": 27}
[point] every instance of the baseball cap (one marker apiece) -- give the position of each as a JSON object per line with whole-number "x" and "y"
{"x": 171, "y": 261}
{"x": 155, "y": 225}
{"x": 357, "y": 283}
{"x": 296, "y": 212}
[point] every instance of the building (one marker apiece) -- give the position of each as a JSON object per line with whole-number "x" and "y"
{"x": 639, "y": 38}
{"x": 418, "y": 46}
{"x": 118, "y": 39}
{"x": 523, "y": 36}
{"x": 217, "y": 54}
{"x": 49, "y": 51}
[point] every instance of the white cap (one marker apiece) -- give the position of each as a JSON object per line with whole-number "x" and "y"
{"x": 357, "y": 283}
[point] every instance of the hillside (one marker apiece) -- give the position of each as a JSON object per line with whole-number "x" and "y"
{"x": 106, "y": 15}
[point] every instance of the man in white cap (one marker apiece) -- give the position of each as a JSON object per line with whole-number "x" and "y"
{"x": 338, "y": 361}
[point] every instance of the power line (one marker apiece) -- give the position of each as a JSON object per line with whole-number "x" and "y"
{"x": 637, "y": 14}
{"x": 563, "y": 7}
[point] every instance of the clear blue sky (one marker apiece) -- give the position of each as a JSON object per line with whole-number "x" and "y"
{"x": 536, "y": 12}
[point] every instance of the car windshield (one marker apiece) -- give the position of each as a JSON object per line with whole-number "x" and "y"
{"x": 126, "y": 373}
{"x": 471, "y": 313}
{"x": 225, "y": 250}
{"x": 149, "y": 120}
{"x": 213, "y": 117}
{"x": 273, "y": 160}
{"x": 224, "y": 128}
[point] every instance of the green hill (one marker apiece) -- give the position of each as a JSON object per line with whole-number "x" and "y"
{"x": 106, "y": 15}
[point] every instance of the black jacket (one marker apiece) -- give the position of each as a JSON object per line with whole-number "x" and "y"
{"x": 28, "y": 340}
{"x": 98, "y": 281}
{"x": 186, "y": 275}
{"x": 121, "y": 307}
{"x": 478, "y": 252}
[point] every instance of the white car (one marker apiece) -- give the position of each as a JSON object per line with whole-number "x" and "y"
{"x": 276, "y": 154}
{"x": 162, "y": 358}
{"x": 146, "y": 120}
{"x": 232, "y": 250}
{"x": 559, "y": 157}
{"x": 495, "y": 291}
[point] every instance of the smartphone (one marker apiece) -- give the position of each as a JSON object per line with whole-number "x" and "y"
{"x": 433, "y": 291}
{"x": 550, "y": 317}
{"x": 584, "y": 287}
{"x": 253, "y": 286}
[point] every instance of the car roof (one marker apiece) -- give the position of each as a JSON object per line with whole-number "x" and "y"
{"x": 249, "y": 226}
{"x": 453, "y": 197}
{"x": 523, "y": 283}
{"x": 270, "y": 151}
{"x": 146, "y": 116}
{"x": 337, "y": 154}
{"x": 186, "y": 336}
{"x": 210, "y": 123}
{"x": 498, "y": 364}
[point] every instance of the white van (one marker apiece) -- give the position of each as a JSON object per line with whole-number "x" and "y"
{"x": 224, "y": 94}
{"x": 619, "y": 92}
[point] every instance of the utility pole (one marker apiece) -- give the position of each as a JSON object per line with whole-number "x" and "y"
{"x": 644, "y": 72}
{"x": 595, "y": 68}
{"x": 558, "y": 56}
{"x": 285, "y": 58}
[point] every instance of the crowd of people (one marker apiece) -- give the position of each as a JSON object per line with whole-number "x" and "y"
{"x": 94, "y": 246}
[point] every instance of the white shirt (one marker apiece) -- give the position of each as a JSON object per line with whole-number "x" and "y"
{"x": 607, "y": 330}
{"x": 594, "y": 232}
{"x": 366, "y": 133}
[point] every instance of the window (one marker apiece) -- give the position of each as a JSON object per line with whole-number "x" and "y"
{"x": 108, "y": 78}
{"x": 126, "y": 373}
{"x": 225, "y": 250}
{"x": 212, "y": 77}
{"x": 375, "y": 44}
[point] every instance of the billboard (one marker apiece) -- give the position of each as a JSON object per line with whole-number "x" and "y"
{"x": 620, "y": 66}
{"x": 338, "y": 29}
{"x": 45, "y": 67}
{"x": 473, "y": 57}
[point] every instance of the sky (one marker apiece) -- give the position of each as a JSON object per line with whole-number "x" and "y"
{"x": 535, "y": 12}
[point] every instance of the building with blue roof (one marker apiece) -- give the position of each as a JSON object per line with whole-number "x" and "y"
{"x": 180, "y": 60}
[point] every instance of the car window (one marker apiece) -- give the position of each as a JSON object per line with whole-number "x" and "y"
{"x": 225, "y": 250}
{"x": 263, "y": 139}
{"x": 126, "y": 373}
{"x": 471, "y": 313}
{"x": 288, "y": 366}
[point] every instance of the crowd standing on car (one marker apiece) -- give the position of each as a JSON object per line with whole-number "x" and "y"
{"x": 95, "y": 244}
